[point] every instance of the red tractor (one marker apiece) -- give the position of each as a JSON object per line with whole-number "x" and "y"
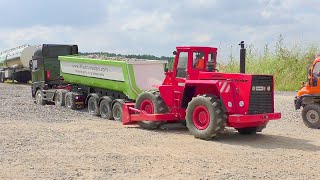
{"x": 208, "y": 100}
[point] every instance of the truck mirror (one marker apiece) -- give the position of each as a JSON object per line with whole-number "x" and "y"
{"x": 174, "y": 52}
{"x": 309, "y": 72}
{"x": 166, "y": 69}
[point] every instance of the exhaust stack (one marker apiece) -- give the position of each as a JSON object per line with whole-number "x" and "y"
{"x": 242, "y": 58}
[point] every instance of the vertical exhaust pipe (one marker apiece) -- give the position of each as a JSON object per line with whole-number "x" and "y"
{"x": 242, "y": 58}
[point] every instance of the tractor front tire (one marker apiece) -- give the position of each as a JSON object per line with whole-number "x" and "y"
{"x": 205, "y": 117}
{"x": 151, "y": 103}
{"x": 311, "y": 116}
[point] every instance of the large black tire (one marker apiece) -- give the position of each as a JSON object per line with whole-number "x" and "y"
{"x": 39, "y": 98}
{"x": 117, "y": 111}
{"x": 105, "y": 109}
{"x": 153, "y": 104}
{"x": 311, "y": 116}
{"x": 59, "y": 97}
{"x": 93, "y": 106}
{"x": 205, "y": 117}
{"x": 70, "y": 101}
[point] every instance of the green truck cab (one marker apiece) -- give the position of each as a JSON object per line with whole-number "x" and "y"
{"x": 45, "y": 66}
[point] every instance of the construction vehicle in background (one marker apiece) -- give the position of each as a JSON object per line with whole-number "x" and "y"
{"x": 308, "y": 97}
{"x": 15, "y": 64}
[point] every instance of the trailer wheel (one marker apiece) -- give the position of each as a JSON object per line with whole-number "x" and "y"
{"x": 151, "y": 103}
{"x": 205, "y": 117}
{"x": 105, "y": 109}
{"x": 117, "y": 111}
{"x": 70, "y": 101}
{"x": 311, "y": 116}
{"x": 59, "y": 97}
{"x": 93, "y": 106}
{"x": 39, "y": 98}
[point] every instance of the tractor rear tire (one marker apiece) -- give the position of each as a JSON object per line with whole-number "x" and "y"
{"x": 152, "y": 104}
{"x": 106, "y": 109}
{"x": 59, "y": 98}
{"x": 311, "y": 116}
{"x": 93, "y": 106}
{"x": 205, "y": 117}
{"x": 70, "y": 101}
{"x": 39, "y": 98}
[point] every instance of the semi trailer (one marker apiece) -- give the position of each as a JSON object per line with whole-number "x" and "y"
{"x": 101, "y": 84}
{"x": 15, "y": 64}
{"x": 140, "y": 91}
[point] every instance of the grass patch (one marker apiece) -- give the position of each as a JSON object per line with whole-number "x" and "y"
{"x": 288, "y": 65}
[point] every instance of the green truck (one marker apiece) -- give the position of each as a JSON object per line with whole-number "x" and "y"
{"x": 101, "y": 83}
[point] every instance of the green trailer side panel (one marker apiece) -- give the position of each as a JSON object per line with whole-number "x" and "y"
{"x": 128, "y": 86}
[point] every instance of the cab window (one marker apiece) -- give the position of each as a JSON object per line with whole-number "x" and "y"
{"x": 198, "y": 60}
{"x": 182, "y": 65}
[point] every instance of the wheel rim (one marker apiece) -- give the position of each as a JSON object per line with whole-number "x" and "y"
{"x": 58, "y": 99}
{"x": 104, "y": 109}
{"x": 38, "y": 98}
{"x": 117, "y": 113}
{"x": 92, "y": 108}
{"x": 68, "y": 101}
{"x": 147, "y": 106}
{"x": 312, "y": 116}
{"x": 201, "y": 117}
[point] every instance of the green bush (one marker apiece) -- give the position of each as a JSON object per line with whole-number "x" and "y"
{"x": 288, "y": 65}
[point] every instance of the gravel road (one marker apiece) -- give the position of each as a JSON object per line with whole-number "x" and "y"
{"x": 47, "y": 142}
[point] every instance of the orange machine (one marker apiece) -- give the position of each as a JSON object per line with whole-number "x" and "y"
{"x": 309, "y": 97}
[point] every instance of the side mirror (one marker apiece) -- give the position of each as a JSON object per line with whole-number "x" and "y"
{"x": 309, "y": 72}
{"x": 174, "y": 52}
{"x": 166, "y": 69}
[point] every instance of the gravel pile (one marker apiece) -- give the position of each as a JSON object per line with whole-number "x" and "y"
{"x": 104, "y": 57}
{"x": 16, "y": 103}
{"x": 47, "y": 142}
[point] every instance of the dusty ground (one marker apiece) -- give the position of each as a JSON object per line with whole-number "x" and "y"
{"x": 47, "y": 142}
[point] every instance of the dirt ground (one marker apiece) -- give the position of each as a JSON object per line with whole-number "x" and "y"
{"x": 48, "y": 142}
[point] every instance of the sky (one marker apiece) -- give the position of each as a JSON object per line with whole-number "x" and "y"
{"x": 157, "y": 27}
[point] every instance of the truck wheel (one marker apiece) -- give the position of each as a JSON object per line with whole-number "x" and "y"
{"x": 105, "y": 109}
{"x": 59, "y": 97}
{"x": 205, "y": 117}
{"x": 70, "y": 101}
{"x": 117, "y": 111}
{"x": 311, "y": 116}
{"x": 39, "y": 98}
{"x": 93, "y": 106}
{"x": 151, "y": 103}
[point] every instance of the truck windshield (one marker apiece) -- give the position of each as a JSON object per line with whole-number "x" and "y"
{"x": 57, "y": 50}
{"x": 316, "y": 68}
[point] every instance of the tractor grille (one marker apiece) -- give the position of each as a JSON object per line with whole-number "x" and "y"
{"x": 261, "y": 98}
